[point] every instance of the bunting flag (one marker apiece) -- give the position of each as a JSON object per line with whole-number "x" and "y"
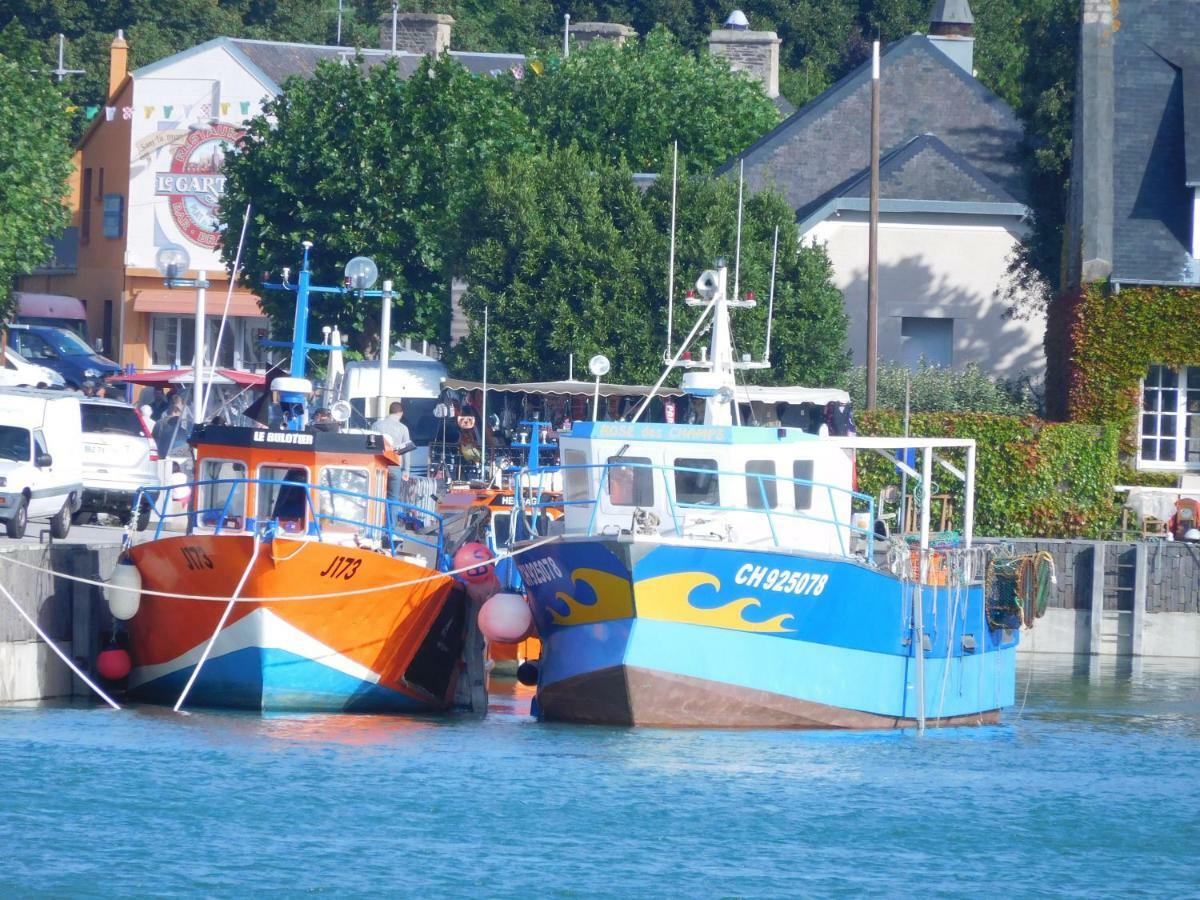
{"x": 110, "y": 113}
{"x": 224, "y": 109}
{"x": 148, "y": 110}
{"x": 126, "y": 112}
{"x": 167, "y": 111}
{"x": 245, "y": 107}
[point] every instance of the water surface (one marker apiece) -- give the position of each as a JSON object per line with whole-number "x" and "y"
{"x": 1092, "y": 788}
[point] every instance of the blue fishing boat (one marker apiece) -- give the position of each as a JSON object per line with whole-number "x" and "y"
{"x": 728, "y": 574}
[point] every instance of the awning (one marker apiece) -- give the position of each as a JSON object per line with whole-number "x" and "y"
{"x": 49, "y": 306}
{"x": 563, "y": 388}
{"x": 182, "y": 302}
{"x": 185, "y": 376}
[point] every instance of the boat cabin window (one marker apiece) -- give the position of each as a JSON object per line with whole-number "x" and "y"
{"x": 228, "y": 498}
{"x": 575, "y": 481}
{"x": 761, "y": 486}
{"x": 286, "y": 498}
{"x": 343, "y": 496}
{"x": 630, "y": 484}
{"x": 692, "y": 486}
{"x": 802, "y": 470}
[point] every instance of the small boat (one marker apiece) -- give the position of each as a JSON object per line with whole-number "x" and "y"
{"x": 293, "y": 582}
{"x": 727, "y": 574}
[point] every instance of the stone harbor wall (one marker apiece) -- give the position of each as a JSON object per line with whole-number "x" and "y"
{"x": 73, "y": 615}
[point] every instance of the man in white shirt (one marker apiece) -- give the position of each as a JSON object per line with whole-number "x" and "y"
{"x": 396, "y": 431}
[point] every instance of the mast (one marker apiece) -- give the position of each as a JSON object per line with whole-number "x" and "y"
{"x": 873, "y": 237}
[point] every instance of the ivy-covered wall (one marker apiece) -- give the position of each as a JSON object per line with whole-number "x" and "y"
{"x": 1033, "y": 478}
{"x": 1114, "y": 338}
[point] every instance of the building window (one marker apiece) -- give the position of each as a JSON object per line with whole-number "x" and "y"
{"x": 173, "y": 342}
{"x": 114, "y": 215}
{"x": 85, "y": 214}
{"x": 1169, "y": 427}
{"x": 931, "y": 340}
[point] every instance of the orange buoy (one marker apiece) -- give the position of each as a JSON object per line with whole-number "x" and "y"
{"x": 479, "y": 557}
{"x": 113, "y": 663}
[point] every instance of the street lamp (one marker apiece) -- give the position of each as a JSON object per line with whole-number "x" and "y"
{"x": 598, "y": 365}
{"x": 172, "y": 261}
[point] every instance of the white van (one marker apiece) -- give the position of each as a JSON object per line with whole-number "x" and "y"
{"x": 119, "y": 457}
{"x": 41, "y": 471}
{"x": 16, "y": 371}
{"x": 412, "y": 378}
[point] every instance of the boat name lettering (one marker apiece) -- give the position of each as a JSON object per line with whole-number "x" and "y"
{"x": 344, "y": 567}
{"x": 196, "y": 558}
{"x": 784, "y": 581}
{"x": 539, "y": 571}
{"x": 282, "y": 437}
{"x": 654, "y": 431}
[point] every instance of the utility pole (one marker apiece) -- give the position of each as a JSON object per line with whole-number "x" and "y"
{"x": 873, "y": 238}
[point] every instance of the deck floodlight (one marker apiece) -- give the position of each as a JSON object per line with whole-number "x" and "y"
{"x": 599, "y": 365}
{"x": 172, "y": 260}
{"x": 361, "y": 273}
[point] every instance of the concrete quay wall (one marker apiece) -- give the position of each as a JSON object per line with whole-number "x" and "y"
{"x": 74, "y": 616}
{"x": 1118, "y": 599}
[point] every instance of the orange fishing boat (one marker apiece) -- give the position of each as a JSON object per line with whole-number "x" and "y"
{"x": 298, "y": 582}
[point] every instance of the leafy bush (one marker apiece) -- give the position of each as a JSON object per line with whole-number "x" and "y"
{"x": 936, "y": 389}
{"x": 1032, "y": 478}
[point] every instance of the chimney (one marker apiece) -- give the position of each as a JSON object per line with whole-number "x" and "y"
{"x": 118, "y": 62}
{"x": 583, "y": 33}
{"x": 952, "y": 30}
{"x": 424, "y": 34}
{"x": 753, "y": 52}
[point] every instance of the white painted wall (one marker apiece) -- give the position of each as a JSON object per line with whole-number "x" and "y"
{"x": 169, "y": 104}
{"x": 936, "y": 266}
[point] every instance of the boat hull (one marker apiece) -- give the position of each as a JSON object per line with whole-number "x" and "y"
{"x": 674, "y": 635}
{"x": 379, "y": 649}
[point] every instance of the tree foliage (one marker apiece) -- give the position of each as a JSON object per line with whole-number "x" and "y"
{"x": 35, "y": 162}
{"x": 937, "y": 389}
{"x": 627, "y": 104}
{"x": 569, "y": 257}
{"x": 361, "y": 162}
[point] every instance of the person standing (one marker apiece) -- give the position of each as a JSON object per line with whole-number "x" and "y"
{"x": 391, "y": 427}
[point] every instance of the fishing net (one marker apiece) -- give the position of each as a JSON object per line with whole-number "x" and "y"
{"x": 1017, "y": 589}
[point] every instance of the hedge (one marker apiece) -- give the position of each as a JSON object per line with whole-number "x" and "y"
{"x": 1032, "y": 478}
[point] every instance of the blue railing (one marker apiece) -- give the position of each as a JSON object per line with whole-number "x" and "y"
{"x": 312, "y": 521}
{"x": 674, "y": 504}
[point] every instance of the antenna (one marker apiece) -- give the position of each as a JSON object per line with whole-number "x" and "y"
{"x": 206, "y": 395}
{"x": 339, "y": 24}
{"x": 737, "y": 254}
{"x": 395, "y": 16}
{"x": 671, "y": 258}
{"x": 566, "y": 35}
{"x": 771, "y": 298}
{"x": 62, "y": 72}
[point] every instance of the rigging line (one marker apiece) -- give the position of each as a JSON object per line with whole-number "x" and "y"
{"x": 206, "y": 393}
{"x": 220, "y": 625}
{"x": 53, "y": 646}
{"x": 507, "y": 554}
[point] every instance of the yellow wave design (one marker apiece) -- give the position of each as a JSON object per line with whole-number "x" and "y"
{"x": 614, "y": 599}
{"x": 665, "y": 597}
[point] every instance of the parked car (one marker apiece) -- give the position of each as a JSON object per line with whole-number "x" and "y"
{"x": 119, "y": 457}
{"x": 61, "y": 350}
{"x": 40, "y": 467}
{"x": 16, "y": 371}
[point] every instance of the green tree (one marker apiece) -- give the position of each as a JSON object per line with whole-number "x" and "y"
{"x": 361, "y": 162}
{"x": 35, "y": 159}
{"x": 627, "y": 104}
{"x": 569, "y": 256}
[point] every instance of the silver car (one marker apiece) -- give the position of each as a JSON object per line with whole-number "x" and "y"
{"x": 119, "y": 457}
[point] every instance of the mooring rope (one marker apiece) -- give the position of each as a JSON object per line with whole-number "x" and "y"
{"x": 53, "y": 646}
{"x": 499, "y": 557}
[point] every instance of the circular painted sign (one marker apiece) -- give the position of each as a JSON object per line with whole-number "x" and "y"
{"x": 194, "y": 184}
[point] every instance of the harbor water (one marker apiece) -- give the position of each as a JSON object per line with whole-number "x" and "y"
{"x": 1091, "y": 788}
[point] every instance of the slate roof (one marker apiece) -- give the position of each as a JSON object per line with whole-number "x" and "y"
{"x": 825, "y": 146}
{"x": 277, "y": 60}
{"x": 1156, "y": 140}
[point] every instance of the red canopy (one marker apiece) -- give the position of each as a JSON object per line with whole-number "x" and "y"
{"x": 185, "y": 376}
